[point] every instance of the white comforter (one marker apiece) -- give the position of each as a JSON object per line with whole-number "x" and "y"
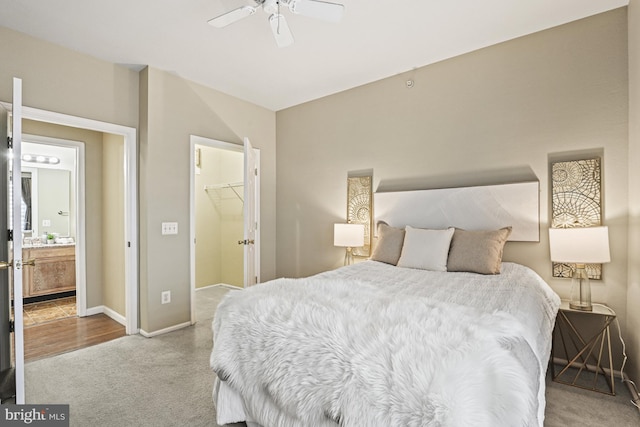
{"x": 376, "y": 345}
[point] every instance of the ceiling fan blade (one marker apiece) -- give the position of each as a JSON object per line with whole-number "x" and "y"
{"x": 326, "y": 11}
{"x": 232, "y": 16}
{"x": 281, "y": 30}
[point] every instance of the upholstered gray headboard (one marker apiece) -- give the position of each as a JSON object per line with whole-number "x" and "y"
{"x": 471, "y": 208}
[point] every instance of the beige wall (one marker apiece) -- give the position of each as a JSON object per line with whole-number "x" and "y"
{"x": 172, "y": 109}
{"x": 113, "y": 232}
{"x": 64, "y": 81}
{"x": 208, "y": 256}
{"x": 232, "y": 220}
{"x": 504, "y": 110}
{"x": 633, "y": 294}
{"x": 53, "y": 192}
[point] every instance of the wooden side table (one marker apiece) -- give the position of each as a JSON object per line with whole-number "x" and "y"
{"x": 584, "y": 353}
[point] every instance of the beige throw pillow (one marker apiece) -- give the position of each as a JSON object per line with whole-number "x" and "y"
{"x": 389, "y": 244}
{"x": 477, "y": 251}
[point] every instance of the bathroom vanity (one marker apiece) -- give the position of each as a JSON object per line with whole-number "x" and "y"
{"x": 54, "y": 270}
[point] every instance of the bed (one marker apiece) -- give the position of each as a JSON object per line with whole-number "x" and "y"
{"x": 434, "y": 330}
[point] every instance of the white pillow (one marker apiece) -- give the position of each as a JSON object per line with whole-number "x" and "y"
{"x": 426, "y": 249}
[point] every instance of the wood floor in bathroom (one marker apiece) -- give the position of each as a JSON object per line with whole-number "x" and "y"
{"x": 52, "y": 328}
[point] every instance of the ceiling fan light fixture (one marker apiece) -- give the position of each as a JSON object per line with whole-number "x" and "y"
{"x": 271, "y": 6}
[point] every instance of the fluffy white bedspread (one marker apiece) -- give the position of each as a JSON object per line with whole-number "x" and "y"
{"x": 356, "y": 348}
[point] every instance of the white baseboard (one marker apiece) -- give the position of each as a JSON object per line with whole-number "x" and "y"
{"x": 592, "y": 368}
{"x": 95, "y": 310}
{"x": 116, "y": 316}
{"x": 218, "y": 285}
{"x": 164, "y": 331}
{"x": 102, "y": 309}
{"x": 616, "y": 373}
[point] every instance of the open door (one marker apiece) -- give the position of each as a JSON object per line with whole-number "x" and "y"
{"x": 11, "y": 249}
{"x": 251, "y": 200}
{"x": 7, "y": 373}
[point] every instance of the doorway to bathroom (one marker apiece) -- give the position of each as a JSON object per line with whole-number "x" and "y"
{"x": 73, "y": 186}
{"x": 13, "y": 114}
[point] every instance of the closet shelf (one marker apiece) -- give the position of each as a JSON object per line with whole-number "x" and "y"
{"x": 219, "y": 189}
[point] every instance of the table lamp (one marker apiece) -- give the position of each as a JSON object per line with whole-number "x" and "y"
{"x": 348, "y": 236}
{"x": 580, "y": 246}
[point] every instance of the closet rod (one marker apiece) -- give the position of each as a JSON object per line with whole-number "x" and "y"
{"x": 221, "y": 186}
{"x": 232, "y": 186}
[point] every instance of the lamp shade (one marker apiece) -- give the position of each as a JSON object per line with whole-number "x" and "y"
{"x": 348, "y": 235}
{"x": 583, "y": 245}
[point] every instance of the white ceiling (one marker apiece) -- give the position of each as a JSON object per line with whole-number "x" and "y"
{"x": 375, "y": 39}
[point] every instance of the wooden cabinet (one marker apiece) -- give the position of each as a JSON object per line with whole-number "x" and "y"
{"x": 54, "y": 270}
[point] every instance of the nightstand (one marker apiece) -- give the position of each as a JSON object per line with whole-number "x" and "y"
{"x": 587, "y": 353}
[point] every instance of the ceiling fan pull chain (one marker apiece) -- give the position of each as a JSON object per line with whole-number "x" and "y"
{"x": 278, "y": 3}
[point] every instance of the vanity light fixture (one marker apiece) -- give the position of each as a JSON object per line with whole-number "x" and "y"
{"x": 52, "y": 160}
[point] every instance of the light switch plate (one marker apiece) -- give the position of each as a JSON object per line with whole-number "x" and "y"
{"x": 169, "y": 228}
{"x": 46, "y": 223}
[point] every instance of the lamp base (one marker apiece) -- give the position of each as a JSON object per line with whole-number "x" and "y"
{"x": 580, "y": 290}
{"x": 581, "y": 307}
{"x": 348, "y": 256}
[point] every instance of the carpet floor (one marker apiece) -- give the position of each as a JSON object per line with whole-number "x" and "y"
{"x": 166, "y": 381}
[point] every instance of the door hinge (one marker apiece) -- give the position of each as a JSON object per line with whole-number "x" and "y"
{"x": 10, "y": 235}
{"x": 12, "y": 326}
{"x": 256, "y": 171}
{"x": 9, "y": 142}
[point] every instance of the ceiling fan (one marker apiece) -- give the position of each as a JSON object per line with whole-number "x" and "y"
{"x": 331, "y": 12}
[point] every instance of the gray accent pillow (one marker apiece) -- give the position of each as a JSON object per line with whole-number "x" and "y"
{"x": 389, "y": 245}
{"x": 477, "y": 251}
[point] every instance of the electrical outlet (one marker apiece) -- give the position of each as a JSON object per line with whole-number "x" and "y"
{"x": 166, "y": 297}
{"x": 46, "y": 223}
{"x": 169, "y": 228}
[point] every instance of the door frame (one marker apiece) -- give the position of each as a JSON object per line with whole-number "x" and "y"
{"x": 131, "y": 197}
{"x": 6, "y": 285}
{"x": 214, "y": 143}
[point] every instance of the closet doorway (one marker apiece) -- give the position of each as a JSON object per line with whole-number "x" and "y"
{"x": 219, "y": 222}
